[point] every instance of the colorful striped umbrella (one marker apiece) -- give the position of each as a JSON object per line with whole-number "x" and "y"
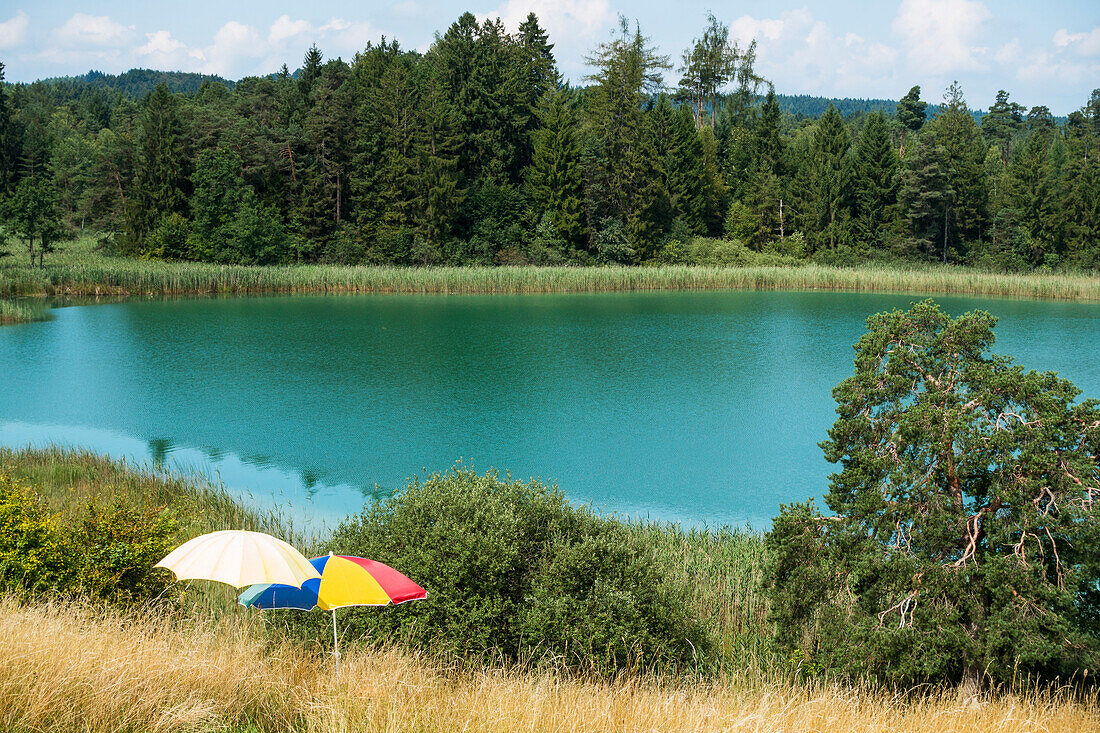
{"x": 345, "y": 581}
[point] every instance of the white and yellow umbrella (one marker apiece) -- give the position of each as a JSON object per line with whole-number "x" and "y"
{"x": 239, "y": 558}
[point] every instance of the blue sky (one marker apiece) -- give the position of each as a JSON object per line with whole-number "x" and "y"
{"x": 1042, "y": 52}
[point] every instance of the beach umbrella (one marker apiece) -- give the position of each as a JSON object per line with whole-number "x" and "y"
{"x": 344, "y": 581}
{"x": 239, "y": 558}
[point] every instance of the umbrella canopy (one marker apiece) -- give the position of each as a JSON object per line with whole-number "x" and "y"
{"x": 239, "y": 558}
{"x": 344, "y": 581}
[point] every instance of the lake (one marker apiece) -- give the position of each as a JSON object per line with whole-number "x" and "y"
{"x": 699, "y": 407}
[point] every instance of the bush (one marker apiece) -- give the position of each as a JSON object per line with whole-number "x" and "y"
{"x": 106, "y": 553}
{"x": 31, "y": 553}
{"x": 112, "y": 551}
{"x": 511, "y": 568}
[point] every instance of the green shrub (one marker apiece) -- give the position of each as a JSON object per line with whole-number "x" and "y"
{"x": 106, "y": 553}
{"x": 512, "y": 569}
{"x": 31, "y": 554}
{"x": 113, "y": 550}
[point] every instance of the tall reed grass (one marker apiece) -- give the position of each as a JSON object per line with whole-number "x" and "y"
{"x": 82, "y": 271}
{"x": 22, "y": 311}
{"x": 67, "y": 478}
{"x": 73, "y": 668}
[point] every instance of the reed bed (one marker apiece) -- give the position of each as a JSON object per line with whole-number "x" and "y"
{"x": 724, "y": 568}
{"x": 22, "y": 311}
{"x": 68, "y": 478}
{"x": 83, "y": 272}
{"x": 76, "y": 668}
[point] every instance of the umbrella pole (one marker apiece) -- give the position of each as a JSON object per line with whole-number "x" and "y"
{"x": 335, "y": 642}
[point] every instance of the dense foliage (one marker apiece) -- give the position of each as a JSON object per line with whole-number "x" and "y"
{"x": 513, "y": 569}
{"x": 103, "y": 552}
{"x": 474, "y": 152}
{"x": 966, "y": 535}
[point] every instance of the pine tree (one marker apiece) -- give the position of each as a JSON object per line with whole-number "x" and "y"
{"x": 627, "y": 68}
{"x": 875, "y": 184}
{"x": 828, "y": 201}
{"x": 957, "y": 133}
{"x": 1031, "y": 192}
{"x": 311, "y": 69}
{"x": 923, "y": 194}
{"x": 1001, "y": 124}
{"x": 556, "y": 178}
{"x": 161, "y": 178}
{"x": 911, "y": 113}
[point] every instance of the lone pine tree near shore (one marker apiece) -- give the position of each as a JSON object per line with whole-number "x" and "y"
{"x": 966, "y": 539}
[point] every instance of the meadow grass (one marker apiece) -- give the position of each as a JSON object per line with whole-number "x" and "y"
{"x": 79, "y": 270}
{"x": 67, "y": 667}
{"x": 212, "y": 665}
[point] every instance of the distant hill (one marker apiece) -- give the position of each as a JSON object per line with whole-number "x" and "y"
{"x": 139, "y": 82}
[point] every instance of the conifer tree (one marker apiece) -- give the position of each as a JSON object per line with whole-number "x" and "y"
{"x": 967, "y": 203}
{"x": 923, "y": 194}
{"x": 963, "y": 538}
{"x": 1002, "y": 123}
{"x": 161, "y": 179}
{"x": 627, "y": 68}
{"x": 311, "y": 69}
{"x": 768, "y": 145}
{"x": 875, "y": 184}
{"x": 1031, "y": 192}
{"x": 539, "y": 77}
{"x": 828, "y": 200}
{"x": 556, "y": 178}
{"x": 911, "y": 113}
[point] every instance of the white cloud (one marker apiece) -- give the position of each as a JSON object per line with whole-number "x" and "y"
{"x": 284, "y": 28}
{"x": 92, "y": 31}
{"x": 235, "y": 48}
{"x": 1072, "y": 59}
{"x": 239, "y": 50}
{"x": 940, "y": 36}
{"x": 1084, "y": 44}
{"x": 1008, "y": 53}
{"x": 14, "y": 31}
{"x": 800, "y": 54}
{"x": 167, "y": 53}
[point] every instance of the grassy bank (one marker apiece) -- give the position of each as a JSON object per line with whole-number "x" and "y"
{"x": 66, "y": 668}
{"x": 81, "y": 271}
{"x": 212, "y": 666}
{"x": 68, "y": 479}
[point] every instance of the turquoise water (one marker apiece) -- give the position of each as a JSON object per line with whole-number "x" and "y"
{"x": 699, "y": 407}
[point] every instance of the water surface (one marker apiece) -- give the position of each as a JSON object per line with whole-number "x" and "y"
{"x": 700, "y": 407}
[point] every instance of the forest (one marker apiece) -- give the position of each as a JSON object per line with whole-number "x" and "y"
{"x": 476, "y": 152}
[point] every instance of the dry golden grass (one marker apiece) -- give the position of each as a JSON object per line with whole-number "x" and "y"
{"x": 69, "y": 668}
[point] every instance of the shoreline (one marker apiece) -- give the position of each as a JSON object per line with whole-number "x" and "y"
{"x": 80, "y": 271}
